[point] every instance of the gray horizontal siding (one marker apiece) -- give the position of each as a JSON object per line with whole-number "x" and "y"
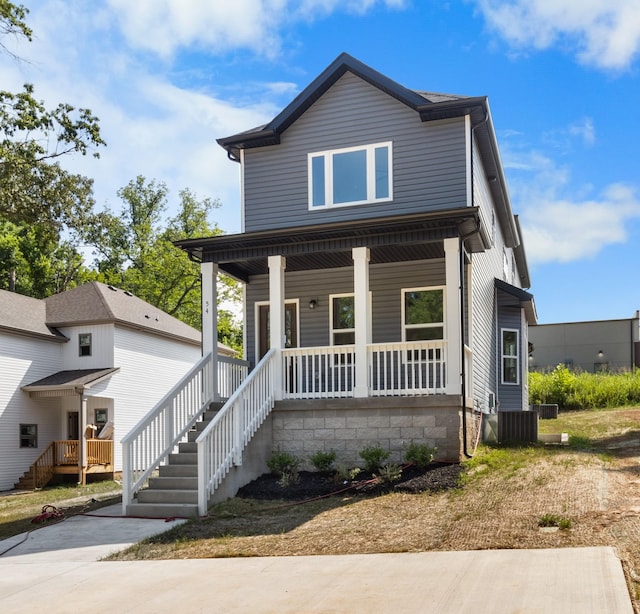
{"x": 385, "y": 283}
{"x": 509, "y": 395}
{"x": 428, "y": 159}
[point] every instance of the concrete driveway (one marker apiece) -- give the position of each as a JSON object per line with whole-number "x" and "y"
{"x": 55, "y": 569}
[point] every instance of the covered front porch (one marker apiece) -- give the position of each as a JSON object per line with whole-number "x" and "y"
{"x": 377, "y": 309}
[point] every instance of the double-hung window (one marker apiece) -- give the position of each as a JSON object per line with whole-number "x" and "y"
{"x": 423, "y": 314}
{"x": 343, "y": 319}
{"x": 350, "y": 176}
{"x": 84, "y": 344}
{"x": 510, "y": 356}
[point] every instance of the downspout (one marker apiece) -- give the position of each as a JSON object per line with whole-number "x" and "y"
{"x": 463, "y": 370}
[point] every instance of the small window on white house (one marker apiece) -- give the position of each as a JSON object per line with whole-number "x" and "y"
{"x": 510, "y": 356}
{"x": 423, "y": 314}
{"x": 343, "y": 319}
{"x": 350, "y": 176}
{"x": 84, "y": 344}
{"x": 28, "y": 435}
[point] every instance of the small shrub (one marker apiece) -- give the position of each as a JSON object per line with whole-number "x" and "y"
{"x": 323, "y": 461}
{"x": 284, "y": 465}
{"x": 390, "y": 473}
{"x": 373, "y": 457}
{"x": 344, "y": 474}
{"x": 552, "y": 520}
{"x": 421, "y": 454}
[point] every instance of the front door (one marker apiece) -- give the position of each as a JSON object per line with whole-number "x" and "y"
{"x": 290, "y": 327}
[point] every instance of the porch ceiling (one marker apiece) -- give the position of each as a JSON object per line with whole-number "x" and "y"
{"x": 392, "y": 239}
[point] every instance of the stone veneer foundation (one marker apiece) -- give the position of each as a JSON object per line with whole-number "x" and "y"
{"x": 303, "y": 427}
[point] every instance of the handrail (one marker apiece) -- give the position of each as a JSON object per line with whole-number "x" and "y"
{"x": 43, "y": 466}
{"x": 221, "y": 443}
{"x": 151, "y": 441}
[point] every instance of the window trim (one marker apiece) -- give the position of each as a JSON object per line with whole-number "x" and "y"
{"x": 84, "y": 345}
{"x": 332, "y": 330}
{"x": 34, "y": 437}
{"x": 442, "y": 324}
{"x": 504, "y": 356}
{"x": 328, "y": 155}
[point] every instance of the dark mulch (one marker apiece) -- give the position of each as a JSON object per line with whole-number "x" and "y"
{"x": 438, "y": 476}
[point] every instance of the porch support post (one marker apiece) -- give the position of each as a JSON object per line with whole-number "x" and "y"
{"x": 277, "y": 265}
{"x": 82, "y": 439}
{"x": 453, "y": 334}
{"x": 362, "y": 311}
{"x": 209, "y": 274}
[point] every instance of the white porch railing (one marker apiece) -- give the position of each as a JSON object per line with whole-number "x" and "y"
{"x": 221, "y": 443}
{"x": 405, "y": 369}
{"x": 318, "y": 372}
{"x": 394, "y": 369}
{"x": 149, "y": 443}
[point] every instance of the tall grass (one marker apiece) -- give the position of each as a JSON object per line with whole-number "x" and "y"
{"x": 581, "y": 390}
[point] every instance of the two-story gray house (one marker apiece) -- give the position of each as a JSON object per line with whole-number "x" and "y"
{"x": 383, "y": 271}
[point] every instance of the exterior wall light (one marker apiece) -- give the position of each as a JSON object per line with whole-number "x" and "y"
{"x": 313, "y": 303}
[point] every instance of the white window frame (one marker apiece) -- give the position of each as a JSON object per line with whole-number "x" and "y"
{"x": 332, "y": 330}
{"x": 85, "y": 337}
{"x": 504, "y": 356}
{"x": 442, "y": 324}
{"x": 371, "y": 175}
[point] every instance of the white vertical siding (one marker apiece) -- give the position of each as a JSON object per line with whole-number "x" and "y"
{"x": 24, "y": 360}
{"x": 149, "y": 366}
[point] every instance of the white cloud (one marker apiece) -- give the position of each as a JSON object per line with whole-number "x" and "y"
{"x": 602, "y": 33}
{"x": 163, "y": 26}
{"x": 562, "y": 223}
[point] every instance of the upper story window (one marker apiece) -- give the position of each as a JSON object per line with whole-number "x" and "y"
{"x": 350, "y": 176}
{"x": 343, "y": 319}
{"x": 423, "y": 314}
{"x": 84, "y": 344}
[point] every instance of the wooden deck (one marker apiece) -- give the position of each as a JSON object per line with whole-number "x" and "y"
{"x": 61, "y": 458}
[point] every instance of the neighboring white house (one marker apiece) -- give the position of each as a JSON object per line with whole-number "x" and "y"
{"x": 94, "y": 356}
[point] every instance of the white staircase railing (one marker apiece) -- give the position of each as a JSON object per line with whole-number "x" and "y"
{"x": 221, "y": 443}
{"x": 149, "y": 443}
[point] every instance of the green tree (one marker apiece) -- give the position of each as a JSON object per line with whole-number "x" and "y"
{"x": 39, "y": 200}
{"x": 134, "y": 250}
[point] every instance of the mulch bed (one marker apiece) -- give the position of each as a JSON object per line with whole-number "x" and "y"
{"x": 438, "y": 476}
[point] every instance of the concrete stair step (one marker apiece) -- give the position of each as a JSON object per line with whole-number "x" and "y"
{"x": 185, "y": 447}
{"x": 152, "y": 495}
{"x": 162, "y": 510}
{"x": 183, "y": 458}
{"x": 174, "y": 483}
{"x": 177, "y": 471}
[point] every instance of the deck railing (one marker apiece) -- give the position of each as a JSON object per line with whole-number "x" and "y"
{"x": 99, "y": 451}
{"x": 409, "y": 368}
{"x": 394, "y": 369}
{"x": 149, "y": 443}
{"x": 318, "y": 372}
{"x": 43, "y": 466}
{"x": 221, "y": 443}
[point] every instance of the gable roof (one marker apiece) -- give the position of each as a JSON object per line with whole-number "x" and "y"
{"x": 98, "y": 303}
{"x": 24, "y": 315}
{"x": 429, "y": 106}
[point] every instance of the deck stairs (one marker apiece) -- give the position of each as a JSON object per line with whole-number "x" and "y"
{"x": 173, "y": 493}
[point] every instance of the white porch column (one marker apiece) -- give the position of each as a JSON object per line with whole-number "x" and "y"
{"x": 209, "y": 274}
{"x": 362, "y": 310}
{"x": 82, "y": 439}
{"x": 453, "y": 333}
{"x": 277, "y": 265}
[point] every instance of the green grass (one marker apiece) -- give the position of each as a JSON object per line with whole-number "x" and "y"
{"x": 17, "y": 509}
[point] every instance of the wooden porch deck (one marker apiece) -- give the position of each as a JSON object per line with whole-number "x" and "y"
{"x": 61, "y": 458}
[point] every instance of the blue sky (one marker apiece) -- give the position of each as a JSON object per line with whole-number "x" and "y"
{"x": 168, "y": 77}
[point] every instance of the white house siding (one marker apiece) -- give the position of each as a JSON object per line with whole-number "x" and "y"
{"x": 429, "y": 159}
{"x": 149, "y": 366}
{"x": 24, "y": 360}
{"x": 101, "y": 347}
